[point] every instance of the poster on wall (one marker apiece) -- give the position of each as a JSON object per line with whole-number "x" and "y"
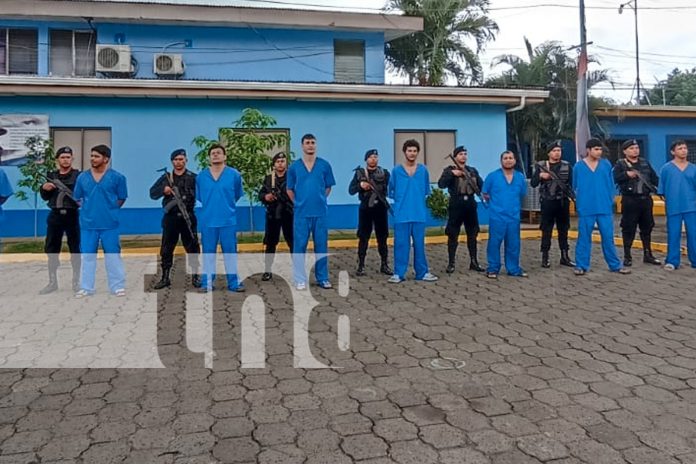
{"x": 15, "y": 129}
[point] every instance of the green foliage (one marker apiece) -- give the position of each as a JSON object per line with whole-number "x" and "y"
{"x": 247, "y": 144}
{"x": 40, "y": 161}
{"x": 437, "y": 202}
{"x": 444, "y": 48}
{"x": 679, "y": 89}
{"x": 549, "y": 66}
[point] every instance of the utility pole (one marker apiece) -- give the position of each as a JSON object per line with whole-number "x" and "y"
{"x": 582, "y": 123}
{"x": 634, "y": 4}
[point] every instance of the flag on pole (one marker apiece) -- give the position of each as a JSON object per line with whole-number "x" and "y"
{"x": 582, "y": 122}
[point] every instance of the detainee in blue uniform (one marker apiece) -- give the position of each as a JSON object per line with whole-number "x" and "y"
{"x": 594, "y": 190}
{"x": 5, "y": 193}
{"x": 678, "y": 185}
{"x": 504, "y": 190}
{"x": 409, "y": 185}
{"x": 218, "y": 189}
{"x": 101, "y": 192}
{"x": 308, "y": 185}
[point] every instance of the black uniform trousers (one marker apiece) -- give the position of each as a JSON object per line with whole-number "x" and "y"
{"x": 62, "y": 222}
{"x": 173, "y": 227}
{"x": 555, "y": 212}
{"x": 636, "y": 210}
{"x": 271, "y": 237}
{"x": 461, "y": 211}
{"x": 373, "y": 218}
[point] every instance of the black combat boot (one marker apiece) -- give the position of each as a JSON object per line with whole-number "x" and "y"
{"x": 628, "y": 259}
{"x": 52, "y": 285}
{"x": 76, "y": 263}
{"x": 649, "y": 258}
{"x": 565, "y": 259}
{"x": 545, "y": 261}
{"x": 361, "y": 266}
{"x": 450, "y": 266}
{"x": 164, "y": 281}
{"x": 384, "y": 267}
{"x": 472, "y": 245}
{"x": 474, "y": 265}
{"x": 195, "y": 278}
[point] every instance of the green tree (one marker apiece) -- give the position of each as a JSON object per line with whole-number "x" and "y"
{"x": 248, "y": 144}
{"x": 39, "y": 162}
{"x": 679, "y": 89}
{"x": 551, "y": 66}
{"x": 438, "y": 202}
{"x": 444, "y": 48}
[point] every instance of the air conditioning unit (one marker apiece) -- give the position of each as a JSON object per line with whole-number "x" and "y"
{"x": 113, "y": 59}
{"x": 168, "y": 64}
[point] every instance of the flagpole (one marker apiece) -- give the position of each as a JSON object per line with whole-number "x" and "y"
{"x": 582, "y": 123}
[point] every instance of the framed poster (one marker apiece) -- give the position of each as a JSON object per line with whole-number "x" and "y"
{"x": 15, "y": 129}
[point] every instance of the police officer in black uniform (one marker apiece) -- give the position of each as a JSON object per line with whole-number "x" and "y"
{"x": 462, "y": 208}
{"x": 63, "y": 219}
{"x": 279, "y": 211}
{"x": 555, "y": 203}
{"x": 636, "y": 180}
{"x": 174, "y": 222}
{"x": 373, "y": 211}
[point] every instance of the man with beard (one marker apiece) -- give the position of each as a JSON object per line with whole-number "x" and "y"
{"x": 62, "y": 220}
{"x": 462, "y": 208}
{"x": 637, "y": 181}
{"x": 554, "y": 179}
{"x": 177, "y": 223}
{"x": 100, "y": 192}
{"x": 279, "y": 211}
{"x": 371, "y": 184}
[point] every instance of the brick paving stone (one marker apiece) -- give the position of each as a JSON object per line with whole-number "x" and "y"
{"x": 395, "y": 430}
{"x": 274, "y": 434}
{"x": 364, "y": 446}
{"x": 462, "y": 456}
{"x": 235, "y": 450}
{"x": 542, "y": 447}
{"x": 645, "y": 455}
{"x": 412, "y": 452}
{"x": 442, "y": 436}
{"x": 490, "y": 441}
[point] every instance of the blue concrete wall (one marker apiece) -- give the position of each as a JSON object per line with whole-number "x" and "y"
{"x": 144, "y": 131}
{"x": 658, "y": 133}
{"x": 227, "y": 53}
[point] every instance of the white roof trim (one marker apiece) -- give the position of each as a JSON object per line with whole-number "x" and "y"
{"x": 45, "y": 86}
{"x": 393, "y": 26}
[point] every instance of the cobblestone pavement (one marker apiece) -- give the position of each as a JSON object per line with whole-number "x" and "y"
{"x": 554, "y": 368}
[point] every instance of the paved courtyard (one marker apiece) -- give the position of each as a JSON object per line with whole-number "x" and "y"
{"x": 554, "y": 368}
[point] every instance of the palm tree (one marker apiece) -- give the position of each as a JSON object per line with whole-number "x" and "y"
{"x": 444, "y": 47}
{"x": 549, "y": 66}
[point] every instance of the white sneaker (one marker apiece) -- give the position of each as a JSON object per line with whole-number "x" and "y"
{"x": 301, "y": 286}
{"x": 669, "y": 267}
{"x": 428, "y": 277}
{"x": 395, "y": 279}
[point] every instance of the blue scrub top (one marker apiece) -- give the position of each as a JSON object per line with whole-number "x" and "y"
{"x": 5, "y": 189}
{"x": 219, "y": 197}
{"x": 594, "y": 190}
{"x": 310, "y": 187}
{"x": 505, "y": 202}
{"x": 409, "y": 193}
{"x": 679, "y": 188}
{"x": 100, "y": 200}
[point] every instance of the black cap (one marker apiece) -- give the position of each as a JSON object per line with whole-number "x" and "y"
{"x": 629, "y": 143}
{"x": 62, "y": 150}
{"x": 551, "y": 145}
{"x": 177, "y": 152}
{"x": 279, "y": 155}
{"x": 370, "y": 152}
{"x": 102, "y": 150}
{"x": 592, "y": 143}
{"x": 459, "y": 149}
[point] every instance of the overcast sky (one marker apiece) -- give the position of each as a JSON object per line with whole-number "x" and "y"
{"x": 666, "y": 32}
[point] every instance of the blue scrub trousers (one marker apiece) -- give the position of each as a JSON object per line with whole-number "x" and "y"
{"x": 406, "y": 233}
{"x": 674, "y": 228}
{"x": 227, "y": 238}
{"x": 316, "y": 226}
{"x": 89, "y": 244}
{"x": 583, "y": 247}
{"x": 507, "y": 233}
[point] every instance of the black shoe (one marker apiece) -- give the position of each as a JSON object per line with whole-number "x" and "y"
{"x": 648, "y": 258}
{"x": 50, "y": 288}
{"x": 450, "y": 268}
{"x": 545, "y": 262}
{"x": 266, "y": 276}
{"x": 474, "y": 266}
{"x": 628, "y": 261}
{"x": 565, "y": 259}
{"x": 164, "y": 281}
{"x": 196, "y": 280}
{"x": 360, "y": 271}
{"x": 385, "y": 269}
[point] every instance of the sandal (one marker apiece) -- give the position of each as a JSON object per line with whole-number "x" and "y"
{"x": 82, "y": 294}
{"x": 492, "y": 275}
{"x": 578, "y": 272}
{"x": 120, "y": 292}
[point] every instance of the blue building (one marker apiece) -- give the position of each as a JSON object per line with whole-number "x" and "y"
{"x": 147, "y": 78}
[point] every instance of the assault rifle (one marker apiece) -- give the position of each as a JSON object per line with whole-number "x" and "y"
{"x": 63, "y": 190}
{"x": 468, "y": 179}
{"x": 567, "y": 189}
{"x": 179, "y": 202}
{"x": 641, "y": 177}
{"x": 284, "y": 201}
{"x": 364, "y": 177}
